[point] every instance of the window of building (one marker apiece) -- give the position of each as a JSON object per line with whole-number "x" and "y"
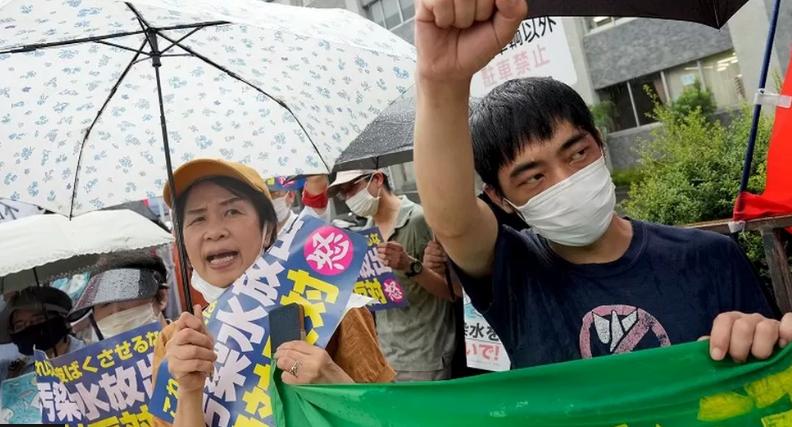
{"x": 720, "y": 74}
{"x": 723, "y": 78}
{"x": 624, "y": 115}
{"x": 646, "y": 91}
{"x": 634, "y": 100}
{"x": 593, "y": 22}
{"x": 390, "y": 13}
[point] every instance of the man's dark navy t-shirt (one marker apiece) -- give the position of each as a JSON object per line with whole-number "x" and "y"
{"x": 666, "y": 289}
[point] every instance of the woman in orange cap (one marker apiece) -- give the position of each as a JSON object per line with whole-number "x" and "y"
{"x": 227, "y": 219}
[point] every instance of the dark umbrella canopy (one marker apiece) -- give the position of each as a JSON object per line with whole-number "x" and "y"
{"x": 714, "y": 13}
{"x": 388, "y": 140}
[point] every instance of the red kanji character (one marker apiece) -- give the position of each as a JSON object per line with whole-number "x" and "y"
{"x": 487, "y": 76}
{"x": 522, "y": 63}
{"x": 539, "y": 58}
{"x": 504, "y": 70}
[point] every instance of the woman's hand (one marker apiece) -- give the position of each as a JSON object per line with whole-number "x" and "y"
{"x": 190, "y": 352}
{"x": 303, "y": 363}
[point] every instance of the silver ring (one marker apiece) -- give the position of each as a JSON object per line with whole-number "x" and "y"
{"x": 294, "y": 368}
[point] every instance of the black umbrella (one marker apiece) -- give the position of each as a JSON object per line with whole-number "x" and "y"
{"x": 387, "y": 141}
{"x": 708, "y": 12}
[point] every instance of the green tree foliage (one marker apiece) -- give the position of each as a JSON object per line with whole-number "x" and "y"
{"x": 690, "y": 170}
{"x": 693, "y": 98}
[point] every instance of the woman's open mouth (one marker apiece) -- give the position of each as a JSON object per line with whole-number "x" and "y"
{"x": 222, "y": 260}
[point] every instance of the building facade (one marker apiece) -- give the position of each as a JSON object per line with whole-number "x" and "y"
{"x": 630, "y": 61}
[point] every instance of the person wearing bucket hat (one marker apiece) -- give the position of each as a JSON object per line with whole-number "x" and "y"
{"x": 227, "y": 220}
{"x": 418, "y": 340}
{"x": 35, "y": 318}
{"x": 120, "y": 299}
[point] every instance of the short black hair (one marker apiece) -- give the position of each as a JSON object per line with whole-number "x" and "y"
{"x": 263, "y": 205}
{"x": 517, "y": 112}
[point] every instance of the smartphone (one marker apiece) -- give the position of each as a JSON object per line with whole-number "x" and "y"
{"x": 287, "y": 323}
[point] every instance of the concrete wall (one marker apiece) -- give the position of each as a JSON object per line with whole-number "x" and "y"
{"x": 575, "y": 29}
{"x": 783, "y": 39}
{"x": 350, "y": 5}
{"x": 406, "y": 31}
{"x": 749, "y": 33}
{"x": 623, "y": 146}
{"x": 635, "y": 47}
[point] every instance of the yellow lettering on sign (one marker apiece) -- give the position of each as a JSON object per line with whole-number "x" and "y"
{"x": 243, "y": 421}
{"x": 771, "y": 389}
{"x": 107, "y": 422}
{"x": 783, "y": 419}
{"x": 723, "y": 406}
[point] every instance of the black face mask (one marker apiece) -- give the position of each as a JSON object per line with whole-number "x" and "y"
{"x": 43, "y": 336}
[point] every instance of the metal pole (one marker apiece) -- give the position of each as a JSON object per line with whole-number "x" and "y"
{"x": 749, "y": 152}
{"x": 155, "y": 61}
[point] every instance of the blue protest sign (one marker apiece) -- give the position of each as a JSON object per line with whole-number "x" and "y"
{"x": 312, "y": 264}
{"x": 106, "y": 383}
{"x": 19, "y": 403}
{"x": 377, "y": 280}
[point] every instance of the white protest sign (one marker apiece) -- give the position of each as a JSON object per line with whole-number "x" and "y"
{"x": 539, "y": 49}
{"x": 483, "y": 348}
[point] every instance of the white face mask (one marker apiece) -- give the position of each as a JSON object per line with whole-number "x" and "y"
{"x": 363, "y": 203}
{"x": 575, "y": 212}
{"x": 122, "y": 321}
{"x": 281, "y": 209}
{"x": 209, "y": 291}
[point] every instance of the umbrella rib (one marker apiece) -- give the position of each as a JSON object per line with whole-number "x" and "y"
{"x": 36, "y": 46}
{"x": 32, "y": 47}
{"x": 120, "y": 46}
{"x": 180, "y": 40}
{"x": 254, "y": 87}
{"x": 165, "y": 56}
{"x": 96, "y": 119}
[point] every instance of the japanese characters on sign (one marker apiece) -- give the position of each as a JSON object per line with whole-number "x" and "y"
{"x": 314, "y": 265}
{"x": 482, "y": 345}
{"x": 539, "y": 49}
{"x": 107, "y": 383}
{"x": 377, "y": 280}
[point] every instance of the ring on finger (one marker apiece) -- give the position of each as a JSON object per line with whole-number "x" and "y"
{"x": 295, "y": 368}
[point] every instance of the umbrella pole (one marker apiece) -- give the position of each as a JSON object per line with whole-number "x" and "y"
{"x": 749, "y": 152}
{"x": 155, "y": 61}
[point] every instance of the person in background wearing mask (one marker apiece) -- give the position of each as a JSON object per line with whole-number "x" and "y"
{"x": 417, "y": 340}
{"x": 283, "y": 197}
{"x": 315, "y": 198}
{"x": 583, "y": 281}
{"x": 121, "y": 299}
{"x": 35, "y": 318}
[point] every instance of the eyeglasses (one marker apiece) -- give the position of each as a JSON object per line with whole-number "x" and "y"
{"x": 348, "y": 190}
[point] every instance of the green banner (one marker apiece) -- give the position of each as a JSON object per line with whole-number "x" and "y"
{"x": 666, "y": 387}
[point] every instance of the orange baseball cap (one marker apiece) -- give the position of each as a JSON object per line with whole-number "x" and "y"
{"x": 198, "y": 169}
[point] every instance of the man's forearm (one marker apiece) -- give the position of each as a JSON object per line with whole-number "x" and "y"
{"x": 434, "y": 283}
{"x": 443, "y": 157}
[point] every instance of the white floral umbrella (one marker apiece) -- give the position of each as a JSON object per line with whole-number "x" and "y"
{"x": 281, "y": 88}
{"x": 96, "y": 90}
